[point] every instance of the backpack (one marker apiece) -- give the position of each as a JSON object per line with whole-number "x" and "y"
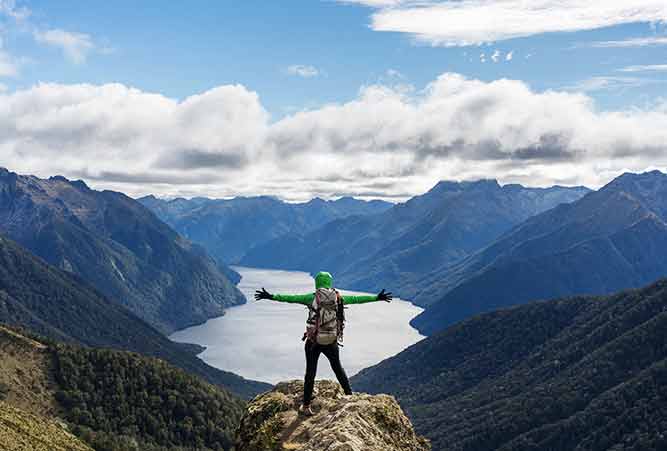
{"x": 326, "y": 318}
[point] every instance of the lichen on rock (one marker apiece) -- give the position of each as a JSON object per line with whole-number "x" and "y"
{"x": 359, "y": 422}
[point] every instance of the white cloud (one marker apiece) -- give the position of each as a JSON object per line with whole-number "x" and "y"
{"x": 386, "y": 142}
{"x": 634, "y": 42}
{"x": 482, "y": 58}
{"x": 509, "y": 56}
{"x": 375, "y": 3}
{"x": 8, "y": 8}
{"x": 469, "y": 22}
{"x": 608, "y": 83}
{"x": 495, "y": 56}
{"x": 75, "y": 46}
{"x": 8, "y": 65}
{"x": 645, "y": 68}
{"x": 304, "y": 71}
{"x": 393, "y": 73}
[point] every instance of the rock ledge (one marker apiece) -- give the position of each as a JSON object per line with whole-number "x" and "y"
{"x": 359, "y": 422}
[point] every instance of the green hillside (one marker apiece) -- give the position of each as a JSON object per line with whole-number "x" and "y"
{"x": 113, "y": 400}
{"x": 578, "y": 373}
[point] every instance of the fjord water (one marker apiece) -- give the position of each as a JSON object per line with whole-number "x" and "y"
{"x": 262, "y": 340}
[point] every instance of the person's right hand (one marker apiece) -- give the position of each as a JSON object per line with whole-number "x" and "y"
{"x": 382, "y": 296}
{"x": 263, "y": 294}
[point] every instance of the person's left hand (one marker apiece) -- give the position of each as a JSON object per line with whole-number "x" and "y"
{"x": 263, "y": 294}
{"x": 382, "y": 296}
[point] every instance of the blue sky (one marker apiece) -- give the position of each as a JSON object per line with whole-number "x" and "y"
{"x": 303, "y": 55}
{"x": 183, "y": 48}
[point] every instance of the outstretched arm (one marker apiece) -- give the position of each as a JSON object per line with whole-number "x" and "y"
{"x": 382, "y": 296}
{"x": 304, "y": 299}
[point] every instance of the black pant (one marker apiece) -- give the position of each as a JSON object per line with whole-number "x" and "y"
{"x": 313, "y": 351}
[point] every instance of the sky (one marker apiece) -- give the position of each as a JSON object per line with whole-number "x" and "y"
{"x": 304, "y": 98}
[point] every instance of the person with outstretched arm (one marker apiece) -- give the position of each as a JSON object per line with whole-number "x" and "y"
{"x": 324, "y": 328}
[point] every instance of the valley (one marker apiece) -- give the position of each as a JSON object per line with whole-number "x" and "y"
{"x": 262, "y": 340}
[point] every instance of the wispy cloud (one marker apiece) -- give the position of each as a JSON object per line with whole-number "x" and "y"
{"x": 629, "y": 43}
{"x": 304, "y": 71}
{"x": 75, "y": 46}
{"x": 610, "y": 83}
{"x": 9, "y": 8}
{"x": 509, "y": 56}
{"x": 8, "y": 66}
{"x": 470, "y": 22}
{"x": 645, "y": 68}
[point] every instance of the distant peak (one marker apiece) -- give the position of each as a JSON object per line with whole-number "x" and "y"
{"x": 79, "y": 184}
{"x": 450, "y": 185}
{"x": 482, "y": 183}
{"x": 628, "y": 179}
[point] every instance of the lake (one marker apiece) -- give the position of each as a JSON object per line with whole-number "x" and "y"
{"x": 262, "y": 340}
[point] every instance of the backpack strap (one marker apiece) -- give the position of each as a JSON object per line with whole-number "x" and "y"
{"x": 311, "y": 332}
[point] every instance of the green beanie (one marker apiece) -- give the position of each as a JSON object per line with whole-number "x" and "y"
{"x": 323, "y": 280}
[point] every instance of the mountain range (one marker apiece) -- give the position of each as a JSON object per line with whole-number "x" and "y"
{"x": 610, "y": 239}
{"x": 393, "y": 249}
{"x": 59, "y": 305}
{"x": 229, "y": 228}
{"x": 118, "y": 246}
{"x": 569, "y": 374}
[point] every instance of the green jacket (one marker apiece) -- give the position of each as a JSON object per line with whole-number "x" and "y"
{"x": 322, "y": 280}
{"x": 307, "y": 299}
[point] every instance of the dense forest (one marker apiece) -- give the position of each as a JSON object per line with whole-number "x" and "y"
{"x": 585, "y": 373}
{"x": 114, "y": 400}
{"x": 119, "y": 401}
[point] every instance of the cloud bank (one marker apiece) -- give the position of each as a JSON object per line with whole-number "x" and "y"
{"x": 222, "y": 142}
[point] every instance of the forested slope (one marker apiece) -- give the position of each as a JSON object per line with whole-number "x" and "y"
{"x": 577, "y": 373}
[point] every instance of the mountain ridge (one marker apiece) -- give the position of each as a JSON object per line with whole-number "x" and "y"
{"x": 604, "y": 242}
{"x": 390, "y": 249}
{"x": 118, "y": 246}
{"x": 228, "y": 228}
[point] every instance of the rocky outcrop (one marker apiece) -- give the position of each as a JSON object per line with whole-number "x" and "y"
{"x": 359, "y": 422}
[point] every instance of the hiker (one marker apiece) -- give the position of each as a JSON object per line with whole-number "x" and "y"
{"x": 324, "y": 328}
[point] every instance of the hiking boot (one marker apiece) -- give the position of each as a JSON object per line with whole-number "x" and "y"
{"x": 306, "y": 411}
